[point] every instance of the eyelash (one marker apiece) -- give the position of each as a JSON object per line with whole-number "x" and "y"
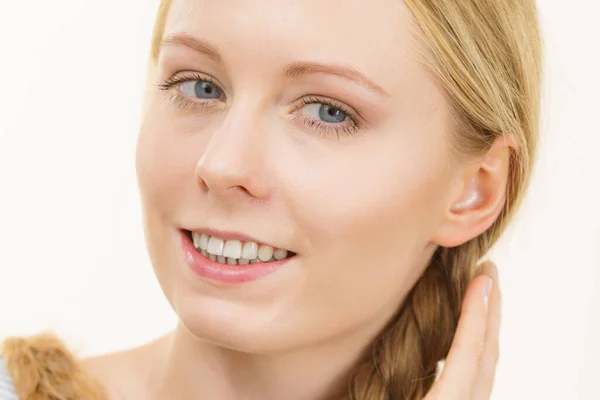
{"x": 324, "y": 128}
{"x": 177, "y": 99}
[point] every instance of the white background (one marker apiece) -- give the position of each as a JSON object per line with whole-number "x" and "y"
{"x": 72, "y": 256}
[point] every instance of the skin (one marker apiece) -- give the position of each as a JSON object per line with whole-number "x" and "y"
{"x": 363, "y": 208}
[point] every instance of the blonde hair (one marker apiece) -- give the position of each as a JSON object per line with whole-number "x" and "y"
{"x": 43, "y": 368}
{"x": 486, "y": 57}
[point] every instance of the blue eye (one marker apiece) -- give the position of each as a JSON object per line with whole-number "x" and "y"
{"x": 331, "y": 114}
{"x": 325, "y": 113}
{"x": 201, "y": 89}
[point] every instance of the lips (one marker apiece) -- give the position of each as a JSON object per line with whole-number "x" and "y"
{"x": 228, "y": 267}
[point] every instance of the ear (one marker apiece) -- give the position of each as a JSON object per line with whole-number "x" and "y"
{"x": 481, "y": 195}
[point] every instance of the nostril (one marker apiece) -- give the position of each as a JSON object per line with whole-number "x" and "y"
{"x": 241, "y": 189}
{"x": 202, "y": 183}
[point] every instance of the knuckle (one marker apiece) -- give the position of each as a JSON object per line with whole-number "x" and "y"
{"x": 472, "y": 349}
{"x": 477, "y": 347}
{"x": 494, "y": 351}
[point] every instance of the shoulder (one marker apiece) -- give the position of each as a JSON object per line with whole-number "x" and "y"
{"x": 7, "y": 386}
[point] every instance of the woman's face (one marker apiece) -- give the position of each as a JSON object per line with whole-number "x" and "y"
{"x": 305, "y": 125}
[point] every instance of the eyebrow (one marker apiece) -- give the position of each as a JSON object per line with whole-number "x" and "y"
{"x": 195, "y": 44}
{"x": 293, "y": 70}
{"x": 305, "y": 68}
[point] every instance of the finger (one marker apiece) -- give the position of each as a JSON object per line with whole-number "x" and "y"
{"x": 461, "y": 369}
{"x": 489, "y": 361}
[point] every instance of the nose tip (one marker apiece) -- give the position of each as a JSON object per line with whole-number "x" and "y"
{"x": 237, "y": 173}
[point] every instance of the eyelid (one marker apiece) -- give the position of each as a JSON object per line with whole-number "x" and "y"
{"x": 312, "y": 99}
{"x": 325, "y": 129}
{"x": 187, "y": 76}
{"x": 350, "y": 112}
{"x": 180, "y": 100}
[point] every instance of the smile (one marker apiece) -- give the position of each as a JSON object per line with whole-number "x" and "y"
{"x": 236, "y": 252}
{"x": 233, "y": 260}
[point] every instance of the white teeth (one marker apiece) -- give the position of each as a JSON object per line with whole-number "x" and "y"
{"x": 236, "y": 252}
{"x": 215, "y": 246}
{"x": 203, "y": 242}
{"x": 196, "y": 240}
{"x": 265, "y": 252}
{"x": 250, "y": 250}
{"x": 232, "y": 249}
{"x": 280, "y": 254}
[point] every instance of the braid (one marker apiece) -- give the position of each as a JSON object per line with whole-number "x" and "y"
{"x": 43, "y": 369}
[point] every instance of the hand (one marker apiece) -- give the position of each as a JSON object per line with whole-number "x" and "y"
{"x": 471, "y": 363}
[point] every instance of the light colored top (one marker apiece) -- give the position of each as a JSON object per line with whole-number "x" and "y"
{"x": 7, "y": 387}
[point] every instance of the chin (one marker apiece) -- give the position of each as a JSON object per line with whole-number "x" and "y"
{"x": 231, "y": 325}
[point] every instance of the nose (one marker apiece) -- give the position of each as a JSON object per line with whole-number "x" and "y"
{"x": 233, "y": 162}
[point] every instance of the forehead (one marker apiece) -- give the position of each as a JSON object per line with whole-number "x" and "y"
{"x": 373, "y": 17}
{"x": 375, "y": 36}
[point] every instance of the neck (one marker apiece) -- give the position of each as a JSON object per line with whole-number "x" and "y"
{"x": 194, "y": 369}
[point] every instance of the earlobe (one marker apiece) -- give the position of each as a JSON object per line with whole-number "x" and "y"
{"x": 481, "y": 197}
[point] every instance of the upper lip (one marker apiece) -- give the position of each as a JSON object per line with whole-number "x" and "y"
{"x": 229, "y": 235}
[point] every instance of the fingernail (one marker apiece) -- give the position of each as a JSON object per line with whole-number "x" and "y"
{"x": 487, "y": 289}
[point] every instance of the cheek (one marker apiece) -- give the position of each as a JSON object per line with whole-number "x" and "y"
{"x": 374, "y": 195}
{"x": 368, "y": 213}
{"x": 165, "y": 162}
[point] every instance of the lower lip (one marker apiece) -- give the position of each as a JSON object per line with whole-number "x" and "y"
{"x": 231, "y": 274}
